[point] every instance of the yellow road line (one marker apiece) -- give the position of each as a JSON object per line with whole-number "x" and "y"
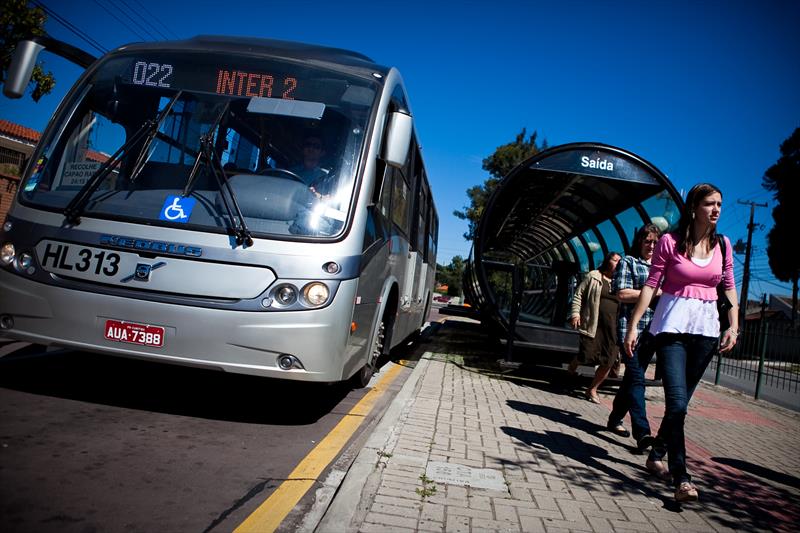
{"x": 280, "y": 503}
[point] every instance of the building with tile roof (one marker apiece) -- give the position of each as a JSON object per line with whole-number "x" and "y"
{"x": 17, "y": 143}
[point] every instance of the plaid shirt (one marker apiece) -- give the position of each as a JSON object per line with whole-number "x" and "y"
{"x": 631, "y": 273}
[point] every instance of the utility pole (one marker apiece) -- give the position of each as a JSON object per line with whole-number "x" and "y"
{"x": 746, "y": 276}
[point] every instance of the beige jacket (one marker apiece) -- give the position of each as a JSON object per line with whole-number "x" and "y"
{"x": 586, "y": 303}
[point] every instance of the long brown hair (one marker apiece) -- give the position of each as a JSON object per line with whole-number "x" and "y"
{"x": 685, "y": 238}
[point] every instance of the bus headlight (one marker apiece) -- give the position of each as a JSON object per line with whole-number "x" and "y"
{"x": 316, "y": 294}
{"x": 7, "y": 253}
{"x": 285, "y": 295}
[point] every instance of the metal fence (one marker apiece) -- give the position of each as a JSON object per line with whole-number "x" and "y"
{"x": 765, "y": 353}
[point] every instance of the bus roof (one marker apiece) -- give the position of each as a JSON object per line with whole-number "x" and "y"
{"x": 267, "y": 47}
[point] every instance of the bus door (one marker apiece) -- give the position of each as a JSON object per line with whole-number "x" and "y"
{"x": 421, "y": 273}
{"x": 416, "y": 229}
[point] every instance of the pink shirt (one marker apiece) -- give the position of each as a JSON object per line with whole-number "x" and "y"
{"x": 681, "y": 277}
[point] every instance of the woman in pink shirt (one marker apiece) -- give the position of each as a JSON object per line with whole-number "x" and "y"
{"x": 687, "y": 265}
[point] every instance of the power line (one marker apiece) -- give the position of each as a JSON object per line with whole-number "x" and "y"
{"x": 132, "y": 30}
{"x": 774, "y": 284}
{"x": 157, "y": 19}
{"x": 131, "y": 18}
{"x": 71, "y": 27}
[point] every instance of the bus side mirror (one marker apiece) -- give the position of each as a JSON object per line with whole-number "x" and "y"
{"x": 398, "y": 139}
{"x": 21, "y": 68}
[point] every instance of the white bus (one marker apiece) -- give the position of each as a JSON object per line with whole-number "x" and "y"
{"x": 248, "y": 205}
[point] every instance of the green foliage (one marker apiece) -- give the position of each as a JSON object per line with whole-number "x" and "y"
{"x": 783, "y": 178}
{"x": 17, "y": 22}
{"x": 451, "y": 275}
{"x": 428, "y": 487}
{"x": 498, "y": 165}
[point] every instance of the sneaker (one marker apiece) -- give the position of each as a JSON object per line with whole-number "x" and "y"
{"x": 645, "y": 442}
{"x": 618, "y": 429}
{"x": 686, "y": 492}
{"x": 658, "y": 469}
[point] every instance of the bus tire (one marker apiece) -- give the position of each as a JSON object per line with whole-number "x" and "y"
{"x": 362, "y": 377}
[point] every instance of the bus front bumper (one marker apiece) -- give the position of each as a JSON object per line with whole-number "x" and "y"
{"x": 232, "y": 341}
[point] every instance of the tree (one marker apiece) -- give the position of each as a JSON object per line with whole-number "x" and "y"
{"x": 783, "y": 178}
{"x": 499, "y": 164}
{"x": 451, "y": 275}
{"x": 18, "y": 22}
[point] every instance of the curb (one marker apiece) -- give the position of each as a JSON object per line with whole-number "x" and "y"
{"x": 356, "y": 491}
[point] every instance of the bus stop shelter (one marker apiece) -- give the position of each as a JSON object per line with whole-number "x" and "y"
{"x": 552, "y": 219}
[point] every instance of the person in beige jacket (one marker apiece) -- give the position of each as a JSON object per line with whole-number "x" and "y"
{"x": 594, "y": 315}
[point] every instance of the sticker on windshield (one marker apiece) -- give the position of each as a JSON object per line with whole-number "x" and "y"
{"x": 177, "y": 209}
{"x": 36, "y": 175}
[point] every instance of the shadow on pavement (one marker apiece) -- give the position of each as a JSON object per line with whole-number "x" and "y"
{"x": 760, "y": 471}
{"x": 744, "y": 502}
{"x": 568, "y": 418}
{"x": 729, "y": 495}
{"x": 591, "y": 456}
{"x": 750, "y": 503}
{"x": 172, "y": 389}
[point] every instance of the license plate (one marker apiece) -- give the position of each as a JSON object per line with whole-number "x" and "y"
{"x": 133, "y": 333}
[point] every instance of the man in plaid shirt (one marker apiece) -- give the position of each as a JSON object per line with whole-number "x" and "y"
{"x": 629, "y": 278}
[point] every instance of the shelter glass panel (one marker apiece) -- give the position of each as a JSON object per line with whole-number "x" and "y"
{"x": 612, "y": 238}
{"x": 630, "y": 220}
{"x": 583, "y": 258}
{"x": 593, "y": 242}
{"x": 663, "y": 211}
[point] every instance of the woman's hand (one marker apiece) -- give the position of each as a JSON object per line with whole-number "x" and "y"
{"x": 575, "y": 321}
{"x": 630, "y": 342}
{"x": 728, "y": 340}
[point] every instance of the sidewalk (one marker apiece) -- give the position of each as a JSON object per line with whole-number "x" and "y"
{"x": 466, "y": 448}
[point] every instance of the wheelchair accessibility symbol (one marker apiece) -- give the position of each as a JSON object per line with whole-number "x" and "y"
{"x": 177, "y": 209}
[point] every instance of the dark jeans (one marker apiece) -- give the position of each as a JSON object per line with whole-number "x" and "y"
{"x": 683, "y": 358}
{"x": 630, "y": 396}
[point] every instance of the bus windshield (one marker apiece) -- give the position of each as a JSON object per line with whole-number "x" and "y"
{"x": 198, "y": 140}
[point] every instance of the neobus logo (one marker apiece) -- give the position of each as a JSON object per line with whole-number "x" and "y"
{"x": 151, "y": 246}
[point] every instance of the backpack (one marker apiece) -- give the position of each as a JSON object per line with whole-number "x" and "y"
{"x": 723, "y": 304}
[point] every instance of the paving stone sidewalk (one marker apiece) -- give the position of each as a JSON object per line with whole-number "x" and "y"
{"x": 477, "y": 449}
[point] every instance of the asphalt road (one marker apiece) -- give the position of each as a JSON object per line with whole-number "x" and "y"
{"x": 95, "y": 443}
{"x": 98, "y": 443}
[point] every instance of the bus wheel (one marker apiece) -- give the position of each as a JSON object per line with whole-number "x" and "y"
{"x": 363, "y": 376}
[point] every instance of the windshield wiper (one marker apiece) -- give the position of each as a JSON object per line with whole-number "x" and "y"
{"x": 208, "y": 136}
{"x": 76, "y": 206}
{"x": 151, "y": 135}
{"x": 208, "y": 155}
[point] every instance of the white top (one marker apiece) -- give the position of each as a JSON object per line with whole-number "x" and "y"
{"x": 676, "y": 314}
{"x": 702, "y": 262}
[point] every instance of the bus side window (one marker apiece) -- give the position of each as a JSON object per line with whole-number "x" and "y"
{"x": 433, "y": 234}
{"x": 400, "y": 202}
{"x": 384, "y": 201}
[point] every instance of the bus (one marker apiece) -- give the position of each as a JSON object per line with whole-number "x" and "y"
{"x": 248, "y": 205}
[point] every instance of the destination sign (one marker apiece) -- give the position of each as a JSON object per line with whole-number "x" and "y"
{"x": 225, "y": 81}
{"x": 237, "y": 77}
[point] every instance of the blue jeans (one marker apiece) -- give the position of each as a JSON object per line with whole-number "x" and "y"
{"x": 683, "y": 359}
{"x": 630, "y": 396}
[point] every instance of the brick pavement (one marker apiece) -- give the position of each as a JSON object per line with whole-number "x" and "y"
{"x": 557, "y": 466}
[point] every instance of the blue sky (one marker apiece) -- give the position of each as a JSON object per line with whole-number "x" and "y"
{"x": 704, "y": 90}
